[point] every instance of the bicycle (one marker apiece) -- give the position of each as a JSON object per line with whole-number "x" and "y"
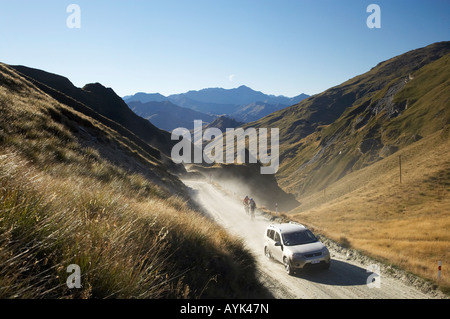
{"x": 247, "y": 208}
{"x": 252, "y": 205}
{"x": 252, "y": 213}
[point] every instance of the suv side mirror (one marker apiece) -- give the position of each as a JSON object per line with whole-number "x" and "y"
{"x": 277, "y": 243}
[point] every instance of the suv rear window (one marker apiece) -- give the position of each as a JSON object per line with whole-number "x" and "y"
{"x": 270, "y": 233}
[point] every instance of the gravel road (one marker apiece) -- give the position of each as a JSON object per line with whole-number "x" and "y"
{"x": 347, "y": 278}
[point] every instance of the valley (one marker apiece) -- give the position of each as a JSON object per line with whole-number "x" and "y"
{"x": 340, "y": 153}
{"x": 87, "y": 181}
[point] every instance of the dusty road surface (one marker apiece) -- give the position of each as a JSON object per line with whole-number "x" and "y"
{"x": 345, "y": 278}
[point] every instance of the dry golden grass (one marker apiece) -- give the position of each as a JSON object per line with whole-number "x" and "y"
{"x": 65, "y": 200}
{"x": 405, "y": 224}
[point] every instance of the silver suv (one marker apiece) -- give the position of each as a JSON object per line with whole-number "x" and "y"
{"x": 295, "y": 246}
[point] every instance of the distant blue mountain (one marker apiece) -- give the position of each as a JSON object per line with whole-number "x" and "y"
{"x": 168, "y": 116}
{"x": 240, "y": 96}
{"x": 242, "y": 103}
{"x": 145, "y": 97}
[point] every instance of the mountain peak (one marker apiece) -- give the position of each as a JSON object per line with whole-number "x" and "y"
{"x": 93, "y": 87}
{"x": 100, "y": 89}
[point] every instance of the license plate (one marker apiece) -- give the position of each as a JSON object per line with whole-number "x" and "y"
{"x": 315, "y": 261}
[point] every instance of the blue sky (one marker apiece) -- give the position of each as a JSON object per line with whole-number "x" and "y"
{"x": 277, "y": 47}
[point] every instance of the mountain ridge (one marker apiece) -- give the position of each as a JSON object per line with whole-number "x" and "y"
{"x": 356, "y": 123}
{"x": 168, "y": 116}
{"x": 104, "y": 105}
{"x": 242, "y": 103}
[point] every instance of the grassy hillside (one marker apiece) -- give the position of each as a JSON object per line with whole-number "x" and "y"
{"x": 363, "y": 120}
{"x": 404, "y": 224}
{"x": 339, "y": 154}
{"x": 73, "y": 190}
{"x": 104, "y": 105}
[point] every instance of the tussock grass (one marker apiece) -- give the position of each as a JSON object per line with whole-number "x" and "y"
{"x": 87, "y": 196}
{"x": 48, "y": 224}
{"x": 405, "y": 224}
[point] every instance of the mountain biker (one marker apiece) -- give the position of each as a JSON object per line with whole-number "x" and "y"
{"x": 246, "y": 203}
{"x": 252, "y": 208}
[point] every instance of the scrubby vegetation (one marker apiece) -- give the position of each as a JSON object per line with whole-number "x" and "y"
{"x": 74, "y": 191}
{"x": 404, "y": 224}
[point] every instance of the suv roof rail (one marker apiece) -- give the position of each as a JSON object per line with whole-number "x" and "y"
{"x": 296, "y": 223}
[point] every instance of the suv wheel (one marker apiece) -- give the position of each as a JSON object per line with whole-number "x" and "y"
{"x": 287, "y": 266}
